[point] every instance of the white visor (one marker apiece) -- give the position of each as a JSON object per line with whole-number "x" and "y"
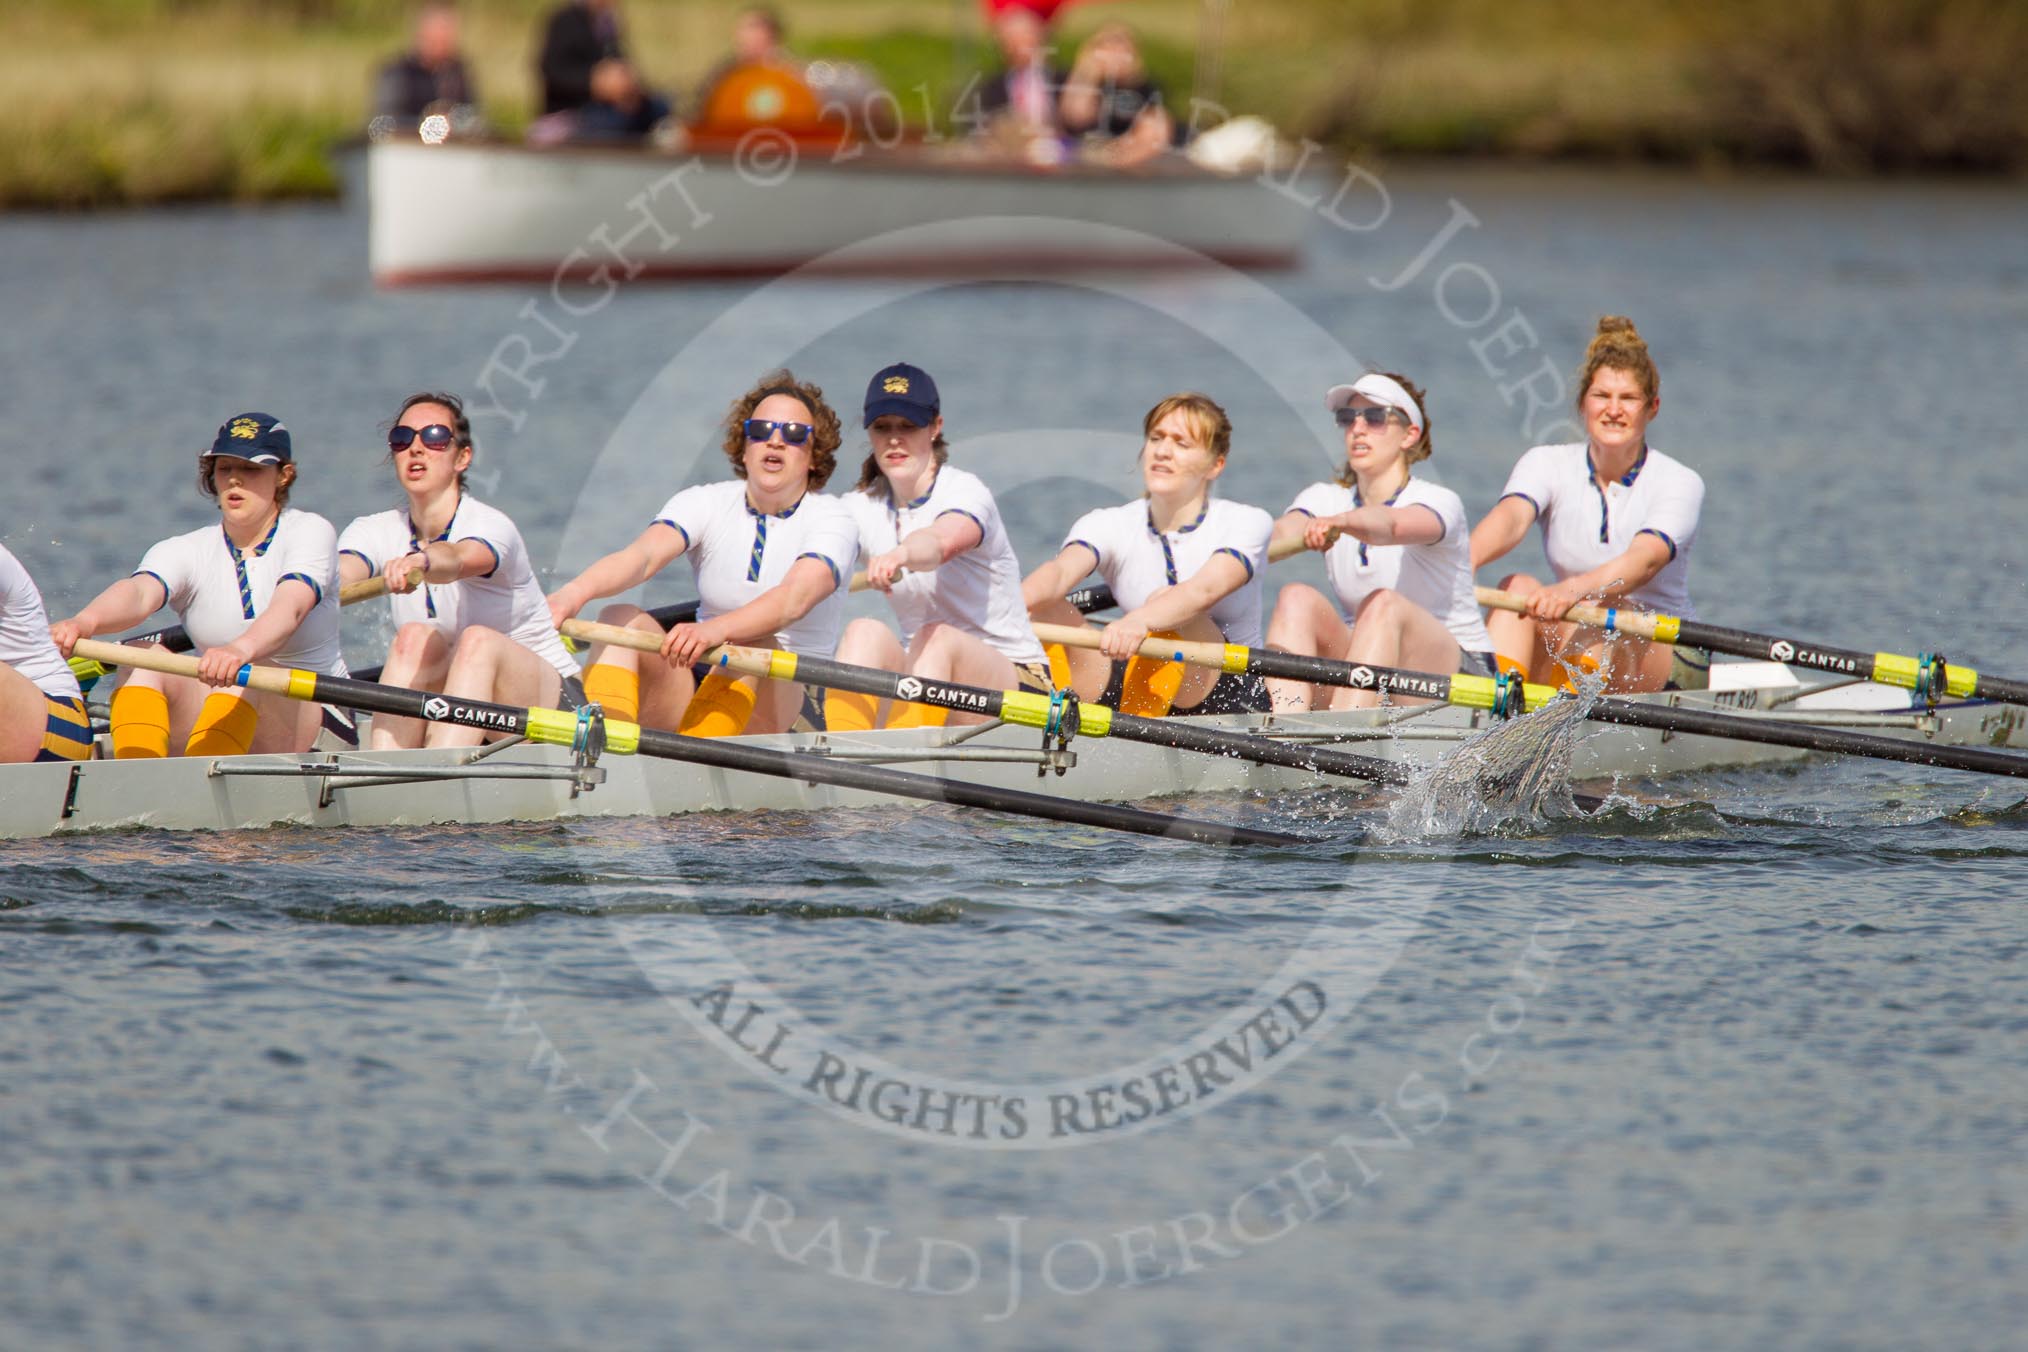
{"x": 1382, "y": 390}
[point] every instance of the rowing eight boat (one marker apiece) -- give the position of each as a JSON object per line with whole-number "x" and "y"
{"x": 524, "y": 782}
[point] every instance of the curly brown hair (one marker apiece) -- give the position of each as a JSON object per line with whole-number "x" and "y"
{"x": 825, "y": 434}
{"x": 1418, "y": 451}
{"x": 1619, "y": 345}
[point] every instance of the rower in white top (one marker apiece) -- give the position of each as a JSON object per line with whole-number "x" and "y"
{"x": 1618, "y": 520}
{"x": 1182, "y": 563}
{"x": 934, "y": 543}
{"x": 262, "y": 586}
{"x": 1396, "y": 550}
{"x": 42, "y": 711}
{"x": 476, "y": 626}
{"x": 771, "y": 555}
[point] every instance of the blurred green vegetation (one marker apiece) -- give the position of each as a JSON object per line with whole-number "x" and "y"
{"x": 127, "y": 101}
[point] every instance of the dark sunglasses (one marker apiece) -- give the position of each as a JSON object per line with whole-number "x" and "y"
{"x": 763, "y": 429}
{"x": 436, "y": 436}
{"x": 1372, "y": 417}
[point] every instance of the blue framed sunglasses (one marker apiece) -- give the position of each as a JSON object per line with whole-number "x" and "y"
{"x": 764, "y": 429}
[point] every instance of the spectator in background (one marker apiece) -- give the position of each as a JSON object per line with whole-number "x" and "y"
{"x": 578, "y": 36}
{"x": 1111, "y": 103}
{"x": 1026, "y": 86}
{"x": 620, "y": 108}
{"x": 1019, "y": 101}
{"x": 756, "y": 41}
{"x": 430, "y": 76}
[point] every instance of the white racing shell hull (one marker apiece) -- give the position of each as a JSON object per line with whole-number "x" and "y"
{"x": 481, "y": 211}
{"x": 193, "y": 794}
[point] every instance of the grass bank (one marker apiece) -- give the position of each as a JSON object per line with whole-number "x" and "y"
{"x": 131, "y": 101}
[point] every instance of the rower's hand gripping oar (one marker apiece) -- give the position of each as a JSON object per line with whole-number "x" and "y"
{"x": 1480, "y": 692}
{"x": 1024, "y": 708}
{"x": 1099, "y": 596}
{"x": 669, "y": 616}
{"x": 176, "y": 640}
{"x": 1928, "y": 675}
{"x": 584, "y": 732}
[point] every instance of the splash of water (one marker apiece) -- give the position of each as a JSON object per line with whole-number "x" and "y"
{"x": 1515, "y": 774}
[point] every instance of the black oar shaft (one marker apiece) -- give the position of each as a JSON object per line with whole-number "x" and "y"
{"x": 875, "y": 779}
{"x": 1089, "y": 600}
{"x": 1125, "y": 727}
{"x": 814, "y": 769}
{"x": 1845, "y": 661}
{"x": 1773, "y": 732}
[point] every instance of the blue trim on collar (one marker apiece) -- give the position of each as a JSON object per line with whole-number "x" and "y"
{"x": 1626, "y": 480}
{"x": 1358, "y": 502}
{"x": 783, "y": 515}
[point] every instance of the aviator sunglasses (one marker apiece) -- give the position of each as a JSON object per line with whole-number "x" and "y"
{"x": 436, "y": 436}
{"x": 1372, "y": 417}
{"x": 761, "y": 429}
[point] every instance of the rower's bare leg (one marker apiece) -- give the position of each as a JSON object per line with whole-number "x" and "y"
{"x": 186, "y": 696}
{"x": 1307, "y": 624}
{"x": 867, "y": 642}
{"x": 488, "y": 665}
{"x": 1090, "y": 669}
{"x": 1197, "y": 681}
{"x": 941, "y": 653}
{"x": 776, "y": 705}
{"x": 418, "y": 659}
{"x": 1517, "y": 637}
{"x": 1647, "y": 666}
{"x": 1393, "y": 631}
{"x": 24, "y": 716}
{"x": 665, "y": 690}
{"x": 286, "y": 726}
{"x": 1631, "y": 665}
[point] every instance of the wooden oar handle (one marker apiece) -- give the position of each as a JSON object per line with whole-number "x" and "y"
{"x": 274, "y": 680}
{"x": 369, "y": 587}
{"x": 1162, "y": 649}
{"x": 748, "y": 661}
{"x": 612, "y": 635}
{"x": 1289, "y": 548}
{"x": 1638, "y": 623}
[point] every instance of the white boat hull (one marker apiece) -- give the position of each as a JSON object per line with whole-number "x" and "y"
{"x": 478, "y": 211}
{"x": 193, "y": 794}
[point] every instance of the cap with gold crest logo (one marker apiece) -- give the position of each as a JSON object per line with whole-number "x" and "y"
{"x": 903, "y": 390}
{"x": 257, "y": 437}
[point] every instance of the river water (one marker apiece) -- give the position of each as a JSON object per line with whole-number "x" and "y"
{"x": 1745, "y": 1066}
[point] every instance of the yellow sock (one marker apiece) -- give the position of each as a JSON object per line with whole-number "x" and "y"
{"x": 1150, "y": 685}
{"x": 1059, "y": 665}
{"x": 616, "y": 690}
{"x": 720, "y": 708}
{"x": 225, "y": 727}
{"x": 849, "y": 711}
{"x": 918, "y": 716}
{"x": 140, "y": 723}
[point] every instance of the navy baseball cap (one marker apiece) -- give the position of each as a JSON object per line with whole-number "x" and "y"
{"x": 904, "y": 390}
{"x": 257, "y": 437}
